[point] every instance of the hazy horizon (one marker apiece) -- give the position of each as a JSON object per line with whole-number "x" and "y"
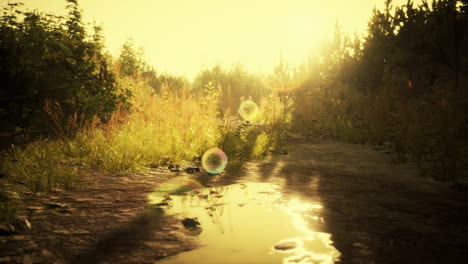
{"x": 182, "y": 36}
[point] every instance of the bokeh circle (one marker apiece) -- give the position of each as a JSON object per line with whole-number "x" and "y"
{"x": 248, "y": 110}
{"x": 214, "y": 161}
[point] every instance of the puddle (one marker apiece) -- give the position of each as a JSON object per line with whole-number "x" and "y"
{"x": 250, "y": 223}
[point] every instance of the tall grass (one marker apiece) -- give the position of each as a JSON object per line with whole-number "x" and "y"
{"x": 267, "y": 131}
{"x": 160, "y": 127}
{"x": 41, "y": 166}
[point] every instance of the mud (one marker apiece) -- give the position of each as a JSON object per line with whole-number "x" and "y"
{"x": 107, "y": 220}
{"x": 375, "y": 212}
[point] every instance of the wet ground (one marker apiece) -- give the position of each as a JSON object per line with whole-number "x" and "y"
{"x": 251, "y": 223}
{"x": 324, "y": 202}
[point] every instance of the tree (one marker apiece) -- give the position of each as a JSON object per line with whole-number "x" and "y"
{"x": 51, "y": 57}
{"x": 130, "y": 60}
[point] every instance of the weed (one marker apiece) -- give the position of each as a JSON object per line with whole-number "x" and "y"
{"x": 40, "y": 166}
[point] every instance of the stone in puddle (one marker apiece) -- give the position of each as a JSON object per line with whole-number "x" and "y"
{"x": 161, "y": 204}
{"x": 286, "y": 245}
{"x": 190, "y": 222}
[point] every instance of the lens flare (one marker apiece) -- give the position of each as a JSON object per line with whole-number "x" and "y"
{"x": 214, "y": 161}
{"x": 174, "y": 186}
{"x": 248, "y": 110}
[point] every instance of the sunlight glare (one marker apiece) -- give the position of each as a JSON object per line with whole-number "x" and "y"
{"x": 181, "y": 36}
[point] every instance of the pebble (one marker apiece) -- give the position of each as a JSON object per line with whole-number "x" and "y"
{"x": 286, "y": 245}
{"x": 22, "y": 224}
{"x": 190, "y": 222}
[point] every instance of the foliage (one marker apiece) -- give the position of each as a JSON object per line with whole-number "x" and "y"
{"x": 45, "y": 56}
{"x": 143, "y": 137}
{"x": 130, "y": 64}
{"x": 41, "y": 166}
{"x": 403, "y": 86}
{"x": 247, "y": 140}
{"x": 233, "y": 83}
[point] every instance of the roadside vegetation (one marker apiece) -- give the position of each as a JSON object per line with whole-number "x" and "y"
{"x": 120, "y": 114}
{"x": 403, "y": 86}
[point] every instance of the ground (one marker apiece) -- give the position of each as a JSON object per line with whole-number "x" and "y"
{"x": 376, "y": 212}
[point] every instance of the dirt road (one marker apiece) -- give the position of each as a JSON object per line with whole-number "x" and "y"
{"x": 375, "y": 212}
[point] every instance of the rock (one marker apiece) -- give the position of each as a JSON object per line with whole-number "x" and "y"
{"x": 190, "y": 222}
{"x": 286, "y": 245}
{"x": 192, "y": 226}
{"x": 193, "y": 231}
{"x": 21, "y": 224}
{"x": 27, "y": 224}
{"x": 174, "y": 168}
{"x": 12, "y": 228}
{"x": 192, "y": 170}
{"x": 53, "y": 205}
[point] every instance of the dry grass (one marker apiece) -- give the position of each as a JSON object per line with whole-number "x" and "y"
{"x": 161, "y": 127}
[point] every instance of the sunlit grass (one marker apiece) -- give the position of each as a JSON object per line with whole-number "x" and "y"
{"x": 41, "y": 166}
{"x": 161, "y": 127}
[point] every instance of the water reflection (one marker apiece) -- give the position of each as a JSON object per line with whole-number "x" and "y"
{"x": 251, "y": 223}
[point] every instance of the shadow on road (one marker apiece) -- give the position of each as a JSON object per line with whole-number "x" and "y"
{"x": 123, "y": 240}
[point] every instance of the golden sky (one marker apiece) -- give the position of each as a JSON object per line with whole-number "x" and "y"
{"x": 181, "y": 36}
